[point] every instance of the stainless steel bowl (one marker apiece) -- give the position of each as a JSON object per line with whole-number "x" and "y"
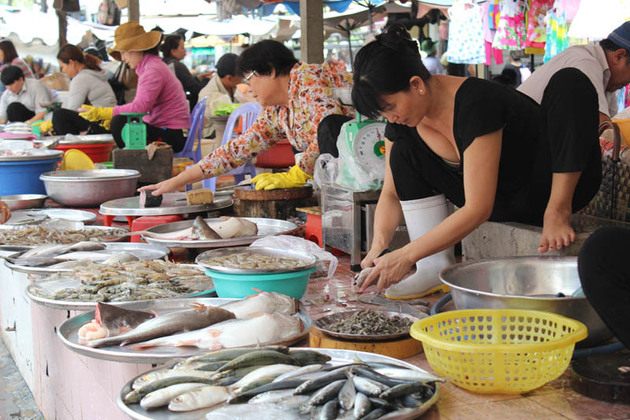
{"x": 307, "y": 260}
{"x": 525, "y": 283}
{"x": 90, "y": 188}
{"x": 24, "y": 201}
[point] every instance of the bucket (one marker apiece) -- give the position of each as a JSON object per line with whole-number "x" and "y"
{"x": 24, "y": 176}
{"x": 98, "y": 152}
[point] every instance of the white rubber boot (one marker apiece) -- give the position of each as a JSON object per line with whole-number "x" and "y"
{"x": 421, "y": 216}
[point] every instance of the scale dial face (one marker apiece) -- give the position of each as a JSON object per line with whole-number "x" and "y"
{"x": 368, "y": 147}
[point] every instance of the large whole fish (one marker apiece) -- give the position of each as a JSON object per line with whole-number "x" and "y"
{"x": 199, "y": 316}
{"x": 267, "y": 302}
{"x": 258, "y": 330}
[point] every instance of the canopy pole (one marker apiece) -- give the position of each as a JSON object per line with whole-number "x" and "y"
{"x": 349, "y": 32}
{"x": 312, "y": 27}
{"x": 134, "y": 10}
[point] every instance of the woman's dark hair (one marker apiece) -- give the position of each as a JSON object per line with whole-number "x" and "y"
{"x": 155, "y": 50}
{"x": 11, "y": 74}
{"x": 608, "y": 45}
{"x": 384, "y": 67}
{"x": 9, "y": 51}
{"x": 171, "y": 42}
{"x": 265, "y": 56}
{"x": 72, "y": 52}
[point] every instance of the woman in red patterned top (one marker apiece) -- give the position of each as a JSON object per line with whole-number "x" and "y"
{"x": 296, "y": 97}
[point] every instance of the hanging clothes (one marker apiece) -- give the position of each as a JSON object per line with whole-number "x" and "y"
{"x": 511, "y": 32}
{"x": 489, "y": 33}
{"x": 536, "y": 25}
{"x": 466, "y": 43}
{"x": 557, "y": 38}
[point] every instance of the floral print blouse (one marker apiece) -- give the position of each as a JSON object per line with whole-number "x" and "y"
{"x": 310, "y": 100}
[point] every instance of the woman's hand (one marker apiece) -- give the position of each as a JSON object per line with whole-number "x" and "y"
{"x": 374, "y": 253}
{"x": 162, "y": 187}
{"x": 5, "y": 212}
{"x": 388, "y": 269}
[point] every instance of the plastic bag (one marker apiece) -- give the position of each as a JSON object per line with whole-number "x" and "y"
{"x": 326, "y": 262}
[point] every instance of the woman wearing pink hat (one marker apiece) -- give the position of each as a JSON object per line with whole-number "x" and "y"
{"x": 159, "y": 93}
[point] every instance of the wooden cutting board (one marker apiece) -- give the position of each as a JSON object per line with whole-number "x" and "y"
{"x": 249, "y": 193}
{"x": 399, "y": 349}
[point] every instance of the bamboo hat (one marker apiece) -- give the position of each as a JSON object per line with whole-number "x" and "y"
{"x": 131, "y": 36}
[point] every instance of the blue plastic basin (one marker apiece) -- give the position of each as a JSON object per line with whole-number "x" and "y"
{"x": 241, "y": 285}
{"x": 22, "y": 177}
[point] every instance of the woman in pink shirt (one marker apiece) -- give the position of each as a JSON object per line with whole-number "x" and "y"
{"x": 159, "y": 93}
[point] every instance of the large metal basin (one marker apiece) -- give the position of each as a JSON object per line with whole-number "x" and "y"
{"x": 525, "y": 283}
{"x": 90, "y": 188}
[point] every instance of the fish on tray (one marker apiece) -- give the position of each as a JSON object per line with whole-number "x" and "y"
{"x": 110, "y": 320}
{"x": 352, "y": 390}
{"x": 260, "y": 329}
{"x": 267, "y": 302}
{"x": 200, "y": 316}
{"x": 232, "y": 227}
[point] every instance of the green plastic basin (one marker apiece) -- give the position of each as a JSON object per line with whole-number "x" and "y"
{"x": 230, "y": 285}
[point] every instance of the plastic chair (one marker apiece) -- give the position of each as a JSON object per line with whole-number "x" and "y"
{"x": 249, "y": 111}
{"x": 194, "y": 134}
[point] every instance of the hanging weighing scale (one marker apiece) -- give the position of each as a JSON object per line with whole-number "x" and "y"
{"x": 366, "y": 143}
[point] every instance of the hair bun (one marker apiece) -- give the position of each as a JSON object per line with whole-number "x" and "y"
{"x": 397, "y": 38}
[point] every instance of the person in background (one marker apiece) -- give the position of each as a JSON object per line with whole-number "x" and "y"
{"x": 9, "y": 56}
{"x": 492, "y": 151}
{"x": 605, "y": 277}
{"x": 25, "y": 99}
{"x": 173, "y": 51}
{"x": 224, "y": 82}
{"x": 297, "y": 100}
{"x": 159, "y": 93}
{"x": 606, "y": 66}
{"x": 5, "y": 212}
{"x": 431, "y": 62}
{"x": 88, "y": 85}
{"x": 514, "y": 66}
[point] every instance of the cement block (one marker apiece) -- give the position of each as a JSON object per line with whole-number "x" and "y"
{"x": 500, "y": 240}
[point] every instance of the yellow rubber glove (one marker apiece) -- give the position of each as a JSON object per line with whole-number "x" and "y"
{"x": 97, "y": 113}
{"x": 44, "y": 126}
{"x": 292, "y": 179}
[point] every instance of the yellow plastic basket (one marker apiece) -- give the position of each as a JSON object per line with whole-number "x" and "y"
{"x": 498, "y": 350}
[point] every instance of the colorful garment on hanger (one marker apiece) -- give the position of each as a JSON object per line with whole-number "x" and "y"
{"x": 465, "y": 44}
{"x": 511, "y": 31}
{"x": 536, "y": 25}
{"x": 557, "y": 39}
{"x": 489, "y": 33}
{"x": 494, "y": 12}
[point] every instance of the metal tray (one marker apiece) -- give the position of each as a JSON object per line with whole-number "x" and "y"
{"x": 323, "y": 323}
{"x": 22, "y": 217}
{"x": 13, "y": 246}
{"x": 33, "y": 154}
{"x": 266, "y": 227}
{"x": 75, "y": 139}
{"x": 141, "y": 250}
{"x": 135, "y": 411}
{"x": 172, "y": 203}
{"x": 91, "y": 305}
{"x": 68, "y": 332}
{"x": 308, "y": 259}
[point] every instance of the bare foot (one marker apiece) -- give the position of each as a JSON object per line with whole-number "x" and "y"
{"x": 557, "y": 232}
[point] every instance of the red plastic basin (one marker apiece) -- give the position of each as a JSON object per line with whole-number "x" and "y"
{"x": 98, "y": 152}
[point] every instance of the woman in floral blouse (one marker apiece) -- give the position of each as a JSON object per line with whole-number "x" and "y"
{"x": 296, "y": 97}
